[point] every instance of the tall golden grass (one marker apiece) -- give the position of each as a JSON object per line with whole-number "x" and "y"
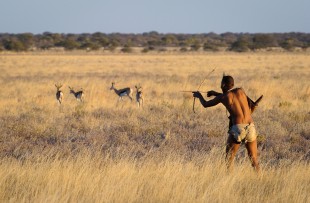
{"x": 108, "y": 151}
{"x": 102, "y": 179}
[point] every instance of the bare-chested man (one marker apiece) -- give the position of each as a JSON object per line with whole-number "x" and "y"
{"x": 242, "y": 127}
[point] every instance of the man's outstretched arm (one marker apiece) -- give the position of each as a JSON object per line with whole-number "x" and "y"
{"x": 209, "y": 103}
{"x": 213, "y": 93}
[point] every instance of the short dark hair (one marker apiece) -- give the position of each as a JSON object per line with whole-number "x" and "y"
{"x": 228, "y": 80}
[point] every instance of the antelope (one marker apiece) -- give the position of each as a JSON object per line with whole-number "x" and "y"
{"x": 59, "y": 93}
{"x": 122, "y": 92}
{"x": 139, "y": 95}
{"x": 78, "y": 95}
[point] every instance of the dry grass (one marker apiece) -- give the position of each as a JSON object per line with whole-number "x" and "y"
{"x": 102, "y": 179}
{"x": 101, "y": 151}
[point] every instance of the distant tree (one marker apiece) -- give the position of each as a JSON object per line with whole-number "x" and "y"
{"x": 100, "y": 39}
{"x": 241, "y": 45}
{"x": 145, "y": 50}
{"x": 27, "y": 39}
{"x": 182, "y": 38}
{"x": 152, "y": 34}
{"x": 288, "y": 44}
{"x": 183, "y": 44}
{"x": 306, "y": 45}
{"x": 129, "y": 42}
{"x": 210, "y": 47}
{"x": 154, "y": 43}
{"x": 83, "y": 38}
{"x": 169, "y": 40}
{"x": 14, "y": 45}
{"x": 104, "y": 41}
{"x": 126, "y": 49}
{"x": 196, "y": 46}
{"x": 111, "y": 48}
{"x": 57, "y": 37}
{"x": 213, "y": 35}
{"x": 114, "y": 43}
{"x": 261, "y": 41}
{"x": 44, "y": 41}
{"x": 118, "y": 38}
{"x": 68, "y": 44}
{"x": 90, "y": 46}
{"x": 191, "y": 40}
{"x": 183, "y": 49}
{"x": 229, "y": 37}
{"x": 140, "y": 40}
{"x": 1, "y": 45}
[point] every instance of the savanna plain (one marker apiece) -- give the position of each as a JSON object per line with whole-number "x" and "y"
{"x": 105, "y": 150}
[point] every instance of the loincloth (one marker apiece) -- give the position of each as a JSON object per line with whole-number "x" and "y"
{"x": 243, "y": 132}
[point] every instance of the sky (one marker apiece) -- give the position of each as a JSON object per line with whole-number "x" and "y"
{"x": 163, "y": 16}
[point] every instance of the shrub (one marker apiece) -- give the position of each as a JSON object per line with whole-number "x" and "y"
{"x": 127, "y": 49}
{"x": 240, "y": 46}
{"x": 210, "y": 47}
{"x": 183, "y": 49}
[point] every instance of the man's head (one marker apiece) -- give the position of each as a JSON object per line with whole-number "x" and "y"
{"x": 227, "y": 83}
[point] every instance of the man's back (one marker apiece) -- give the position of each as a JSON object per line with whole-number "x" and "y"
{"x": 236, "y": 103}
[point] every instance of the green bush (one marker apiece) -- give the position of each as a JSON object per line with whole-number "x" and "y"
{"x": 127, "y": 49}
{"x": 241, "y": 45}
{"x": 14, "y": 45}
{"x": 210, "y": 47}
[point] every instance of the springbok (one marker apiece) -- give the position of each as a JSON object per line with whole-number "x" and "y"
{"x": 59, "y": 93}
{"x": 78, "y": 95}
{"x": 122, "y": 92}
{"x": 139, "y": 95}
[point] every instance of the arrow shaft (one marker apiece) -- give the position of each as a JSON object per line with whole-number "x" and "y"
{"x": 193, "y": 91}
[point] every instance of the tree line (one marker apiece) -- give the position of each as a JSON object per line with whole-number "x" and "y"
{"x": 150, "y": 41}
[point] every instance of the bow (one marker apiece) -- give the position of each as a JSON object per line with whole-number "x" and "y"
{"x": 200, "y": 86}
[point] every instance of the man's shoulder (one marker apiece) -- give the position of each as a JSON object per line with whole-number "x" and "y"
{"x": 237, "y": 89}
{"x": 225, "y": 96}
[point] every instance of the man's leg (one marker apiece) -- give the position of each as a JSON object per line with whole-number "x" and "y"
{"x": 252, "y": 152}
{"x": 231, "y": 151}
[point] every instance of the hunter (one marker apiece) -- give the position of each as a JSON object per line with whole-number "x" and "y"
{"x": 241, "y": 124}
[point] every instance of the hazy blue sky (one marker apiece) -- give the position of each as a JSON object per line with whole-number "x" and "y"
{"x": 163, "y": 16}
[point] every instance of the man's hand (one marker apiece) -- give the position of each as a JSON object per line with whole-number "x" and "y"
{"x": 197, "y": 94}
{"x": 212, "y": 93}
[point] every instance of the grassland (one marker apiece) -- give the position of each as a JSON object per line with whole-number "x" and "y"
{"x": 105, "y": 151}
